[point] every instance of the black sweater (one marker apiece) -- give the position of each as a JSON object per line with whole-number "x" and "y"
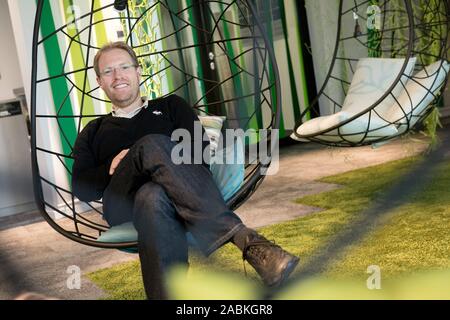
{"x": 103, "y": 138}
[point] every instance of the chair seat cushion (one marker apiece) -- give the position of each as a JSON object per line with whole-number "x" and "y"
{"x": 126, "y": 232}
{"x": 368, "y": 126}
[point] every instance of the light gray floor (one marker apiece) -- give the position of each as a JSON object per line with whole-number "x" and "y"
{"x": 43, "y": 256}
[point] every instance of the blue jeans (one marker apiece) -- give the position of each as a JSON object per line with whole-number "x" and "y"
{"x": 165, "y": 201}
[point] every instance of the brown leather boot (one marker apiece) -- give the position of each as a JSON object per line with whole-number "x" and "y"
{"x": 271, "y": 262}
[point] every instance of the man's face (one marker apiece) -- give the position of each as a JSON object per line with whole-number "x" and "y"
{"x": 119, "y": 78}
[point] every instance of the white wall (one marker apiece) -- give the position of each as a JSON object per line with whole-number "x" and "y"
{"x": 16, "y": 191}
{"x": 10, "y": 75}
{"x": 22, "y": 13}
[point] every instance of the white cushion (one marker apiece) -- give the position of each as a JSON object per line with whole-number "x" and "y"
{"x": 372, "y": 78}
{"x": 318, "y": 124}
{"x": 415, "y": 97}
{"x": 366, "y": 127}
{"x": 354, "y": 131}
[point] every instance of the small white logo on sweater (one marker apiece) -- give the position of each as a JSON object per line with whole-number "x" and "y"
{"x": 158, "y": 113}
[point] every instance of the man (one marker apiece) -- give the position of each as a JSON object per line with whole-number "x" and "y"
{"x": 125, "y": 158}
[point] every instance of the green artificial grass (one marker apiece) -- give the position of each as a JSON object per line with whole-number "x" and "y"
{"x": 122, "y": 282}
{"x": 412, "y": 238}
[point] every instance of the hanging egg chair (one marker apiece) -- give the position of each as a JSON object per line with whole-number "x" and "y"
{"x": 215, "y": 55}
{"x": 388, "y": 69}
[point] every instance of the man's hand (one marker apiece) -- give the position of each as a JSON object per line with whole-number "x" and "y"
{"x": 117, "y": 160}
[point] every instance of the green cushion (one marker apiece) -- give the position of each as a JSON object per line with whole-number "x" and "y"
{"x": 121, "y": 233}
{"x": 126, "y": 232}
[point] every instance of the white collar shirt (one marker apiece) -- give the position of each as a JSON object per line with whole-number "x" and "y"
{"x": 119, "y": 113}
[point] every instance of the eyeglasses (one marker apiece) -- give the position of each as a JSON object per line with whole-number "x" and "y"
{"x": 125, "y": 68}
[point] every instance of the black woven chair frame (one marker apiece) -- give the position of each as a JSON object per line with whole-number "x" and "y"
{"x": 85, "y": 227}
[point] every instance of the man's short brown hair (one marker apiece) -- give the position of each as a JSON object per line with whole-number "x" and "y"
{"x": 114, "y": 45}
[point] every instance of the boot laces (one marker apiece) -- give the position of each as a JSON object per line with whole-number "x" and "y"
{"x": 257, "y": 249}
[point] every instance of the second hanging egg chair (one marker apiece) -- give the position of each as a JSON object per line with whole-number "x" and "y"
{"x": 389, "y": 66}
